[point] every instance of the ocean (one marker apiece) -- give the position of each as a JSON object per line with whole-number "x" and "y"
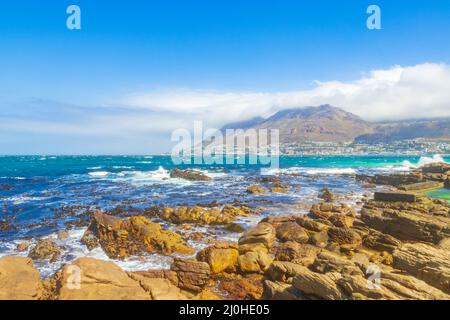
{"x": 40, "y": 195}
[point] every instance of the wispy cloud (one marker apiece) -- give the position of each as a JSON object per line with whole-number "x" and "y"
{"x": 395, "y": 93}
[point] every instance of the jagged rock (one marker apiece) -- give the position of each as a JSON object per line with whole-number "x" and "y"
{"x": 274, "y": 290}
{"x": 192, "y": 275}
{"x": 279, "y": 189}
{"x": 327, "y": 195}
{"x": 391, "y": 286}
{"x": 23, "y": 246}
{"x": 283, "y": 271}
{"x": 327, "y": 210}
{"x": 263, "y": 233}
{"x": 191, "y": 175}
{"x": 254, "y": 262}
{"x": 345, "y": 237}
{"x": 407, "y": 222}
{"x": 90, "y": 240}
{"x": 93, "y": 279}
{"x": 329, "y": 262}
{"x": 313, "y": 225}
{"x": 256, "y": 189}
{"x": 291, "y": 231}
{"x": 318, "y": 285}
{"x": 381, "y": 242}
{"x": 200, "y": 215}
{"x": 425, "y": 262}
{"x": 122, "y": 237}
{"x": 45, "y": 249}
{"x": 241, "y": 288}
{"x": 319, "y": 239}
{"x": 220, "y": 256}
{"x": 292, "y": 251}
{"x": 19, "y": 280}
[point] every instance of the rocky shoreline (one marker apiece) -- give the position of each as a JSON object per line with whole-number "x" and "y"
{"x": 396, "y": 247}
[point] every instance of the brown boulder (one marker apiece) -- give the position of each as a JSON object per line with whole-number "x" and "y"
{"x": 256, "y": 189}
{"x": 261, "y": 233}
{"x": 220, "y": 257}
{"x": 291, "y": 231}
{"x": 19, "y": 280}
{"x": 192, "y": 275}
{"x": 191, "y": 175}
{"x": 45, "y": 249}
{"x": 345, "y": 237}
{"x": 120, "y": 238}
{"x": 292, "y": 251}
{"x": 92, "y": 279}
{"x": 425, "y": 262}
{"x": 254, "y": 262}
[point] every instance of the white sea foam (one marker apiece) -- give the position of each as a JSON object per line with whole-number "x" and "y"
{"x": 99, "y": 173}
{"x": 310, "y": 171}
{"x": 23, "y": 199}
{"x": 437, "y": 158}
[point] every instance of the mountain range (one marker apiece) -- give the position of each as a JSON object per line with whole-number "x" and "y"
{"x": 326, "y": 123}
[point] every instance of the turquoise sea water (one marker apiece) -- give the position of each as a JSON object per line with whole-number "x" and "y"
{"x": 441, "y": 194}
{"x": 42, "y": 194}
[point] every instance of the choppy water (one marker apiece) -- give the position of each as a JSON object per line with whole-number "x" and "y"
{"x": 42, "y": 194}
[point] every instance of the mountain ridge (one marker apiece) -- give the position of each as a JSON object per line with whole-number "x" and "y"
{"x": 326, "y": 123}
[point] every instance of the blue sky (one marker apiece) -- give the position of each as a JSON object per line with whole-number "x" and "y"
{"x": 144, "y": 59}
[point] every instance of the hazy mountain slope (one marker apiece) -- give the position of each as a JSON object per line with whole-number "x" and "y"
{"x": 323, "y": 123}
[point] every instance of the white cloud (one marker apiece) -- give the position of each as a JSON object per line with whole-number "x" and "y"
{"x": 395, "y": 93}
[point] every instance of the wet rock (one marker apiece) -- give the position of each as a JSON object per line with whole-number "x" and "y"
{"x": 23, "y": 246}
{"x": 120, "y": 238}
{"x": 291, "y": 231}
{"x": 90, "y": 240}
{"x": 327, "y": 195}
{"x": 45, "y": 249}
{"x": 191, "y": 175}
{"x": 62, "y": 235}
{"x": 263, "y": 233}
{"x": 92, "y": 279}
{"x": 192, "y": 275}
{"x": 256, "y": 189}
{"x": 254, "y": 262}
{"x": 220, "y": 256}
{"x": 19, "y": 280}
{"x": 425, "y": 262}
